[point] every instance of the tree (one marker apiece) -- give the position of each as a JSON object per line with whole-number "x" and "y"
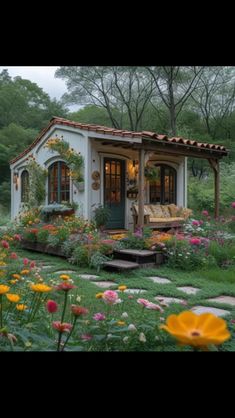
{"x": 174, "y": 86}
{"x": 124, "y": 92}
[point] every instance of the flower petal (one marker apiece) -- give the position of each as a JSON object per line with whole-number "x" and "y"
{"x": 188, "y": 320}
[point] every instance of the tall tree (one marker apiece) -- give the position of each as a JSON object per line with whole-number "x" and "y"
{"x": 124, "y": 92}
{"x": 174, "y": 86}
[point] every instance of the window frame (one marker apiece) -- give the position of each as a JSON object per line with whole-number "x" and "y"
{"x": 58, "y": 176}
{"x": 24, "y": 181}
{"x": 163, "y": 168}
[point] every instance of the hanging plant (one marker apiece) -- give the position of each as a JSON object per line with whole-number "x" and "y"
{"x": 37, "y": 178}
{"x": 74, "y": 160}
{"x": 151, "y": 173}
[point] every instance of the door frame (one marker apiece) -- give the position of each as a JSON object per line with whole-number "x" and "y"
{"x": 123, "y": 160}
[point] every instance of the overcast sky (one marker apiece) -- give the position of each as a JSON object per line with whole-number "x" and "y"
{"x": 43, "y": 76}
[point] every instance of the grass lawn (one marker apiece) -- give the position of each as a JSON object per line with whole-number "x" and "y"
{"x": 211, "y": 283}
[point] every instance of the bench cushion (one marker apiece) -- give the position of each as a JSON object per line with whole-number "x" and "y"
{"x": 165, "y": 211}
{"x": 156, "y": 211}
{"x": 166, "y": 220}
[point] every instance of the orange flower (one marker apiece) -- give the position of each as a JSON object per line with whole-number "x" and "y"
{"x": 21, "y": 307}
{"x": 12, "y": 297}
{"x": 122, "y": 288}
{"x": 4, "y": 289}
{"x": 16, "y": 276}
{"x": 197, "y": 330}
{"x": 99, "y": 295}
{"x": 64, "y": 277}
{"x": 24, "y": 272}
{"x": 40, "y": 288}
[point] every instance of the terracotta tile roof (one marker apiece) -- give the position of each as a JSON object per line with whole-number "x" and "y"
{"x": 121, "y": 133}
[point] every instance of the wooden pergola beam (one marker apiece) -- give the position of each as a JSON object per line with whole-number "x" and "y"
{"x": 141, "y": 188}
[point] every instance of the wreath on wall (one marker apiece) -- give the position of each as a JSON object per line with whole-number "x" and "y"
{"x": 74, "y": 160}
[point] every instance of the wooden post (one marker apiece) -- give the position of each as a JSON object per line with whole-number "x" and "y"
{"x": 214, "y": 163}
{"x": 141, "y": 189}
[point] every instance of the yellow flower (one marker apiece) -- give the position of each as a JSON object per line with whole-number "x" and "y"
{"x": 99, "y": 295}
{"x": 13, "y": 281}
{"x": 24, "y": 272}
{"x": 122, "y": 288}
{"x": 13, "y": 297}
{"x": 21, "y": 307}
{"x": 41, "y": 288}
{"x": 30, "y": 223}
{"x": 16, "y": 276}
{"x": 121, "y": 323}
{"x": 2, "y": 264}
{"x": 197, "y": 330}
{"x": 64, "y": 277}
{"x": 4, "y": 289}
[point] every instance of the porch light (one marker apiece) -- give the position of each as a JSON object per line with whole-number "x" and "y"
{"x": 16, "y": 180}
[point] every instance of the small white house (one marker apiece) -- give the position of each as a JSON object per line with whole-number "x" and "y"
{"x": 114, "y": 161}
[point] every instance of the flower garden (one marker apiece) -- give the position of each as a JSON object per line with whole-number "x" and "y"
{"x": 49, "y": 303}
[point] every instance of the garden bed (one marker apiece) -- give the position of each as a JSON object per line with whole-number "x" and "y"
{"x": 42, "y": 248}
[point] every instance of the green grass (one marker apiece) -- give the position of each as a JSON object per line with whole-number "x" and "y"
{"x": 212, "y": 283}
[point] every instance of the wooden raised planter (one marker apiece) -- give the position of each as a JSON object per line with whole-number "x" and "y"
{"x": 42, "y": 248}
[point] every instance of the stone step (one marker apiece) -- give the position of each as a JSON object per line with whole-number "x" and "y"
{"x": 137, "y": 256}
{"x": 121, "y": 264}
{"x": 139, "y": 253}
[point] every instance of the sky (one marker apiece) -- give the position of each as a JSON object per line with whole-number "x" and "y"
{"x": 44, "y": 77}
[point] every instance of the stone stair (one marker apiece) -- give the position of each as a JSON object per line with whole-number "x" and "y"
{"x": 131, "y": 259}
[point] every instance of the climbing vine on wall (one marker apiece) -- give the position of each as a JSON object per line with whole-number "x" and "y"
{"x": 73, "y": 159}
{"x": 37, "y": 180}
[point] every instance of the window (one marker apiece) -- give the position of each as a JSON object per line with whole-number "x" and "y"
{"x": 59, "y": 183}
{"x": 163, "y": 190}
{"x": 24, "y": 186}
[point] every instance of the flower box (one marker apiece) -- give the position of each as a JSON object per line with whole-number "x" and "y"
{"x": 42, "y": 248}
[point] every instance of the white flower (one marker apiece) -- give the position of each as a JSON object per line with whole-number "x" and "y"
{"x": 124, "y": 315}
{"x": 109, "y": 336}
{"x": 157, "y": 338}
{"x": 132, "y": 327}
{"x": 125, "y": 340}
{"x": 142, "y": 338}
{"x": 78, "y": 299}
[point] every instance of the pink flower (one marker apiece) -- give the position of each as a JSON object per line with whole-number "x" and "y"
{"x": 195, "y": 241}
{"x": 99, "y": 316}
{"x": 110, "y": 297}
{"x": 32, "y": 264}
{"x": 201, "y": 223}
{"x": 205, "y": 213}
{"x": 130, "y": 297}
{"x": 5, "y": 244}
{"x": 154, "y": 307}
{"x": 143, "y": 302}
{"x": 232, "y": 321}
{"x": 26, "y": 261}
{"x": 79, "y": 310}
{"x": 13, "y": 256}
{"x": 61, "y": 327}
{"x": 195, "y": 223}
{"x": 65, "y": 286}
{"x": 86, "y": 337}
{"x": 17, "y": 237}
{"x": 51, "y": 306}
{"x": 233, "y": 205}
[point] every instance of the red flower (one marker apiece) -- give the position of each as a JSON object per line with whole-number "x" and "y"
{"x": 51, "y": 306}
{"x": 86, "y": 337}
{"x": 233, "y": 205}
{"x": 32, "y": 264}
{"x": 5, "y": 244}
{"x": 195, "y": 241}
{"x": 26, "y": 261}
{"x": 79, "y": 310}
{"x": 17, "y": 237}
{"x": 61, "y": 327}
{"x": 65, "y": 286}
{"x": 13, "y": 256}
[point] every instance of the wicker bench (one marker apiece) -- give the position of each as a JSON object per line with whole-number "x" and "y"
{"x": 162, "y": 216}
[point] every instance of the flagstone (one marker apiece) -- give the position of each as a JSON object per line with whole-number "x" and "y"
{"x": 189, "y": 290}
{"x": 64, "y": 272}
{"x": 104, "y": 284}
{"x": 133, "y": 291}
{"x": 167, "y": 300}
{"x": 209, "y": 309}
{"x": 229, "y": 300}
{"x": 160, "y": 280}
{"x": 89, "y": 276}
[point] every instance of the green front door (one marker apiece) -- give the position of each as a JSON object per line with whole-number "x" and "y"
{"x": 114, "y": 191}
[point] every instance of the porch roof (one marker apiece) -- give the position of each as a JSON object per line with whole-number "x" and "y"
{"x": 150, "y": 140}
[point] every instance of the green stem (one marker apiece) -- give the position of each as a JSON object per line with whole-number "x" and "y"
{"x": 36, "y": 306}
{"x": 62, "y": 319}
{"x": 70, "y": 333}
{"x": 1, "y": 310}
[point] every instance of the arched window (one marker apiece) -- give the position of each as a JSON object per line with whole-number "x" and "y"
{"x": 24, "y": 186}
{"x": 58, "y": 183}
{"x": 163, "y": 190}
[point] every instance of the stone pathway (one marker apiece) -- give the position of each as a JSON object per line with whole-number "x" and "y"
{"x": 189, "y": 290}
{"x": 65, "y": 272}
{"x": 134, "y": 291}
{"x": 160, "y": 280}
{"x": 167, "y": 300}
{"x": 209, "y": 309}
{"x": 88, "y": 277}
{"x": 104, "y": 284}
{"x": 229, "y": 300}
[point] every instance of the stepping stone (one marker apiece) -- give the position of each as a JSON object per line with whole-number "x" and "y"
{"x": 133, "y": 291}
{"x": 104, "y": 284}
{"x": 189, "y": 290}
{"x": 168, "y": 300}
{"x": 159, "y": 280}
{"x": 121, "y": 264}
{"x": 208, "y": 309}
{"x": 88, "y": 276}
{"x": 47, "y": 267}
{"x": 65, "y": 272}
{"x": 229, "y": 300}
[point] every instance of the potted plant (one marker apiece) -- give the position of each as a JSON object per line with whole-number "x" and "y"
{"x": 101, "y": 216}
{"x": 151, "y": 173}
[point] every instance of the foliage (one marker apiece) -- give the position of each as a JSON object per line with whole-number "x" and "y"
{"x": 74, "y": 160}
{"x": 97, "y": 260}
{"x": 37, "y": 179}
{"x": 151, "y": 173}
{"x": 101, "y": 215}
